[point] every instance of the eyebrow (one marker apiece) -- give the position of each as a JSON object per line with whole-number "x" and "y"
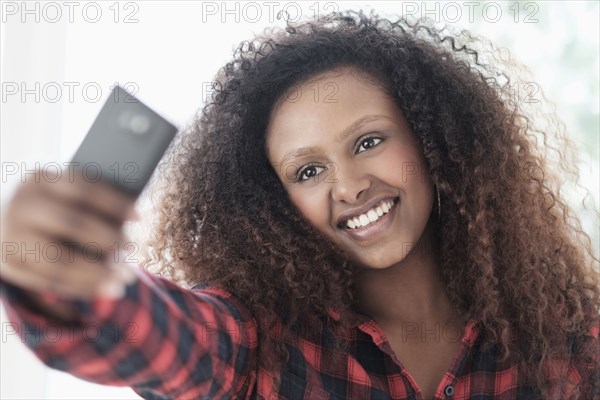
{"x": 356, "y": 125}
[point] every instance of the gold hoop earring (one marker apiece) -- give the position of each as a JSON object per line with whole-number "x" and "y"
{"x": 439, "y": 203}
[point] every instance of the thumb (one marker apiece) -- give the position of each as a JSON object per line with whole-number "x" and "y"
{"x": 132, "y": 214}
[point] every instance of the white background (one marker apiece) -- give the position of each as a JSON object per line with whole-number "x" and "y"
{"x": 169, "y": 51}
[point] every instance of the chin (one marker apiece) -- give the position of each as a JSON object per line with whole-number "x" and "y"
{"x": 380, "y": 263}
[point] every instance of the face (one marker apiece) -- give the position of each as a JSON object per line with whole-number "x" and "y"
{"x": 344, "y": 152}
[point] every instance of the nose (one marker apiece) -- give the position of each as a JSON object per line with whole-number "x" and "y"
{"x": 349, "y": 183}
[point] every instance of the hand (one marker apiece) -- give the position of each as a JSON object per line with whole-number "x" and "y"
{"x": 61, "y": 235}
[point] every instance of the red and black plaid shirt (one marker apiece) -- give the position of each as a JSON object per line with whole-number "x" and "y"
{"x": 167, "y": 342}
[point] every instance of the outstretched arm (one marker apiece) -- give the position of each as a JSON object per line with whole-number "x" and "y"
{"x": 161, "y": 340}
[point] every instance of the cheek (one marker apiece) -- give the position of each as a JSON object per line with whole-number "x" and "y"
{"x": 402, "y": 166}
{"x": 312, "y": 205}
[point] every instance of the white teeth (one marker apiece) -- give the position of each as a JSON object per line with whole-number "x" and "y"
{"x": 364, "y": 220}
{"x": 370, "y": 216}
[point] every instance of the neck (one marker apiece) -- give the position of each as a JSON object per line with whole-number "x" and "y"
{"x": 409, "y": 291}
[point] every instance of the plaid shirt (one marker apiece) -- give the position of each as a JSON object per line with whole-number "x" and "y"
{"x": 167, "y": 342}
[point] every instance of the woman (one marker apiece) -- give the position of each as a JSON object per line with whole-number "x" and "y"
{"x": 363, "y": 214}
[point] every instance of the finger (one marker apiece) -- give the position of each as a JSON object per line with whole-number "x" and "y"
{"x": 64, "y": 222}
{"x": 111, "y": 284}
{"x": 39, "y": 264}
{"x": 99, "y": 196}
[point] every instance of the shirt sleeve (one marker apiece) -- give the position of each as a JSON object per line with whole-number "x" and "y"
{"x": 161, "y": 340}
{"x": 585, "y": 368}
{"x": 592, "y": 378}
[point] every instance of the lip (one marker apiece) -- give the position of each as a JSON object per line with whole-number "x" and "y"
{"x": 374, "y": 229}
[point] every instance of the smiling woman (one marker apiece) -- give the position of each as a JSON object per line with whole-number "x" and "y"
{"x": 363, "y": 212}
{"x": 375, "y": 204}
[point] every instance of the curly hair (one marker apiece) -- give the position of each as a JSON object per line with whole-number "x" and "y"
{"x": 513, "y": 254}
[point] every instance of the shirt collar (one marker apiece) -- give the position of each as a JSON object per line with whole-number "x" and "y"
{"x": 363, "y": 322}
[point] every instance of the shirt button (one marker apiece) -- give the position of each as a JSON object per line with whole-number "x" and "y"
{"x": 449, "y": 390}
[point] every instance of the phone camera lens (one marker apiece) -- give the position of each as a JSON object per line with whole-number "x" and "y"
{"x": 139, "y": 124}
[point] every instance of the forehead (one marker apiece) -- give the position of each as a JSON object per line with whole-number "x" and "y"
{"x": 315, "y": 112}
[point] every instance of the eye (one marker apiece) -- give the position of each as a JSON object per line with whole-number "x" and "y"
{"x": 309, "y": 168}
{"x": 309, "y": 171}
{"x": 369, "y": 139}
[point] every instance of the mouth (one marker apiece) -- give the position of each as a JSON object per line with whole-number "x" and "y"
{"x": 371, "y": 224}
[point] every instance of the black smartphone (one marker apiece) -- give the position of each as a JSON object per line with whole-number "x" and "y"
{"x": 124, "y": 144}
